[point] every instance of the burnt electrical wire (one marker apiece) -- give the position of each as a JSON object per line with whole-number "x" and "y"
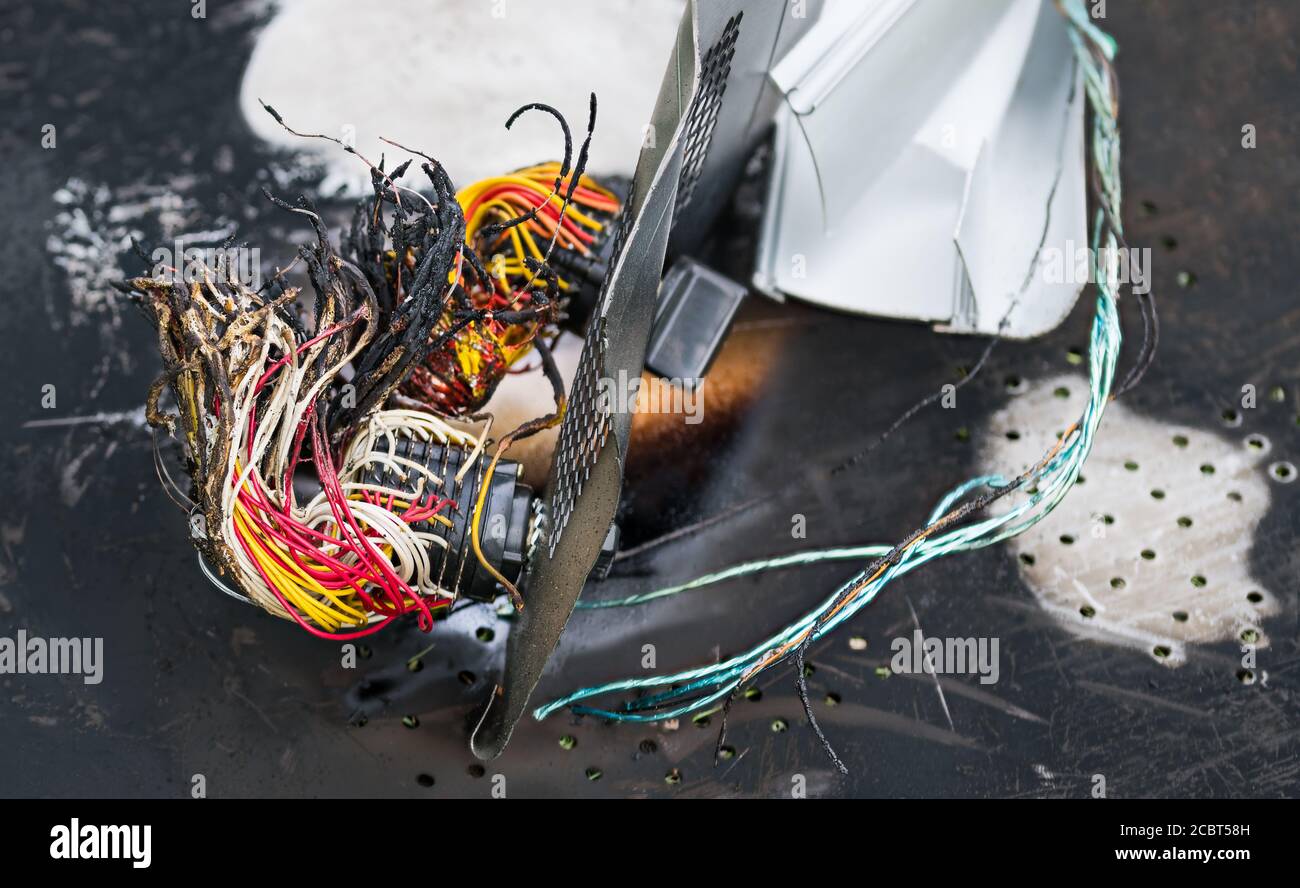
{"x": 324, "y": 487}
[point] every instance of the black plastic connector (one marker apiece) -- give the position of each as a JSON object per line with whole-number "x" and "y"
{"x": 503, "y": 527}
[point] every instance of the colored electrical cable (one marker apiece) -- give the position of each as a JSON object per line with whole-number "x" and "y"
{"x": 947, "y": 531}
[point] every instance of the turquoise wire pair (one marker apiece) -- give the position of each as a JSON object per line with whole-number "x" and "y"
{"x": 693, "y": 690}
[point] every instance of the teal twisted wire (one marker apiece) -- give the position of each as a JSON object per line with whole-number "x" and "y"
{"x": 1053, "y": 480}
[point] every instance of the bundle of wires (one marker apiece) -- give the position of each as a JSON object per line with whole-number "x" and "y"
{"x": 255, "y": 396}
{"x": 261, "y": 395}
{"x": 529, "y": 194}
{"x": 512, "y": 223}
{"x": 947, "y": 530}
{"x": 351, "y": 556}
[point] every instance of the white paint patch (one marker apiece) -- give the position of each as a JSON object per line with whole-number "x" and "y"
{"x": 443, "y": 76}
{"x": 1190, "y": 499}
{"x": 92, "y": 229}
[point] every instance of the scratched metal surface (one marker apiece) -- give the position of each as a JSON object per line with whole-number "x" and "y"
{"x": 144, "y": 98}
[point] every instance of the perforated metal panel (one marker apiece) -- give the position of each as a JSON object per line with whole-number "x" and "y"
{"x": 586, "y": 419}
{"x": 586, "y": 475}
{"x": 703, "y": 116}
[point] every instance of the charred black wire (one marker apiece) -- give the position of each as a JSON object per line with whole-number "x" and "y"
{"x": 801, "y": 685}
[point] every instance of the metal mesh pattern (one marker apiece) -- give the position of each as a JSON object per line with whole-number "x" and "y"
{"x": 703, "y": 115}
{"x": 586, "y": 417}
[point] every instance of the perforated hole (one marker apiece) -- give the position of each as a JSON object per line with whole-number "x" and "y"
{"x": 1282, "y": 472}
